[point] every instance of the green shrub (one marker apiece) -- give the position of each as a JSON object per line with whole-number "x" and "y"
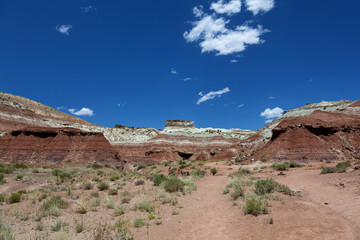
{"x": 281, "y": 166}
{"x": 267, "y": 186}
{"x": 114, "y": 178}
{"x": 213, "y": 171}
{"x": 326, "y": 170}
{"x": 139, "y": 182}
{"x": 65, "y": 176}
{"x": 173, "y": 184}
{"x": 58, "y": 225}
{"x": 340, "y": 168}
{"x": 343, "y": 165}
{"x": 95, "y": 166}
{"x": 263, "y": 159}
{"x": 119, "y": 210}
{"x": 226, "y": 191}
{"x": 79, "y": 227}
{"x": 56, "y": 172}
{"x": 197, "y": 172}
{"x": 172, "y": 171}
{"x": 125, "y": 199}
{"x": 237, "y": 191}
{"x": 20, "y": 165}
{"x": 144, "y": 205}
{"x": 42, "y": 197}
{"x": 51, "y": 207}
{"x": 293, "y": 164}
{"x": 113, "y": 192}
{"x": 255, "y": 206}
{"x": 158, "y": 179}
{"x": 2, "y": 179}
{"x": 87, "y": 186}
{"x": 139, "y": 222}
{"x": 14, "y": 198}
{"x": 103, "y": 186}
{"x": 2, "y": 198}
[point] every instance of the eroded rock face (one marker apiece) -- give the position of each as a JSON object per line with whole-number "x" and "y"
{"x": 316, "y": 131}
{"x": 172, "y": 148}
{"x": 53, "y": 145}
{"x": 318, "y": 136}
{"x": 179, "y": 124}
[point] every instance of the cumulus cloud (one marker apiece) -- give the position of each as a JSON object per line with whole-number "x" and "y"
{"x": 82, "y": 112}
{"x": 64, "y": 29}
{"x": 60, "y": 108}
{"x": 173, "y": 71}
{"x": 88, "y": 9}
{"x": 211, "y": 95}
{"x": 213, "y": 35}
{"x": 232, "y": 7}
{"x": 272, "y": 113}
{"x": 233, "y": 61}
{"x": 256, "y": 6}
{"x": 187, "y": 79}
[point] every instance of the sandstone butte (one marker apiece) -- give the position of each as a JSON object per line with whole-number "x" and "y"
{"x": 33, "y": 132}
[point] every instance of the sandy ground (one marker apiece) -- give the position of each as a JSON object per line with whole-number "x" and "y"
{"x": 328, "y": 208}
{"x": 210, "y": 215}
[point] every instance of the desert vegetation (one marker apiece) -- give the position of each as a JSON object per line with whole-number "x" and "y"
{"x": 64, "y": 201}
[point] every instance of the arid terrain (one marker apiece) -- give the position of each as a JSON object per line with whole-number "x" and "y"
{"x": 64, "y": 178}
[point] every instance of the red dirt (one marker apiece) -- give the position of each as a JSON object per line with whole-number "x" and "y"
{"x": 208, "y": 214}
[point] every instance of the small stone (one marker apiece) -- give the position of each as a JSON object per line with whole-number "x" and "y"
{"x": 75, "y": 197}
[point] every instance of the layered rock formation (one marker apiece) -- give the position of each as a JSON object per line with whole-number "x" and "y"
{"x": 31, "y": 131}
{"x": 53, "y": 145}
{"x": 308, "y": 133}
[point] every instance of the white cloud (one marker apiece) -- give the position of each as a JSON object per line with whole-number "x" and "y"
{"x": 240, "y": 105}
{"x": 213, "y": 35}
{"x": 64, "y": 29}
{"x": 232, "y": 7}
{"x": 256, "y": 6}
{"x": 187, "y": 79}
{"x": 88, "y": 9}
{"x": 201, "y": 94}
{"x": 60, "y": 108}
{"x": 272, "y": 113}
{"x": 121, "y": 104}
{"x": 271, "y": 97}
{"x": 173, "y": 71}
{"x": 198, "y": 11}
{"x": 233, "y": 61}
{"x": 269, "y": 121}
{"x": 212, "y": 95}
{"x": 82, "y": 112}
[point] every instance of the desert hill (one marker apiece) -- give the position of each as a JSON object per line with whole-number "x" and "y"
{"x": 317, "y": 131}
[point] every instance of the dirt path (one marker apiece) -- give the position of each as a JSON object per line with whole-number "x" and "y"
{"x": 208, "y": 214}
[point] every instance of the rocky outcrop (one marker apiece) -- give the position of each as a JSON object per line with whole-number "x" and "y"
{"x": 318, "y": 136}
{"x": 172, "y": 148}
{"x": 179, "y": 124}
{"x": 54, "y": 145}
{"x": 316, "y": 131}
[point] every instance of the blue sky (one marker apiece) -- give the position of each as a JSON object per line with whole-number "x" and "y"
{"x": 218, "y": 63}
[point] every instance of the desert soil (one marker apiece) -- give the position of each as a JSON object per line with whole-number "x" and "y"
{"x": 208, "y": 214}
